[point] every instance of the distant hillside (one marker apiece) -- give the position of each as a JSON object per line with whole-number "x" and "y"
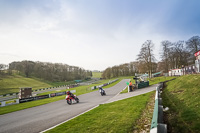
{"x": 182, "y": 96}
{"x": 50, "y": 71}
{"x": 11, "y": 84}
{"x": 96, "y": 74}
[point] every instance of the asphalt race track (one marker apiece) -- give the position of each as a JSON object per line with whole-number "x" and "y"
{"x": 36, "y": 119}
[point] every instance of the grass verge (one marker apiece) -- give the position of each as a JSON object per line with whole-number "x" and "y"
{"x": 116, "y": 117}
{"x": 182, "y": 96}
{"x": 152, "y": 81}
{"x": 21, "y": 106}
{"x": 156, "y": 80}
{"x": 144, "y": 122}
{"x": 96, "y": 74}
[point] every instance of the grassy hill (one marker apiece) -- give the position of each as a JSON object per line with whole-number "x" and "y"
{"x": 96, "y": 74}
{"x": 182, "y": 96}
{"x": 11, "y": 84}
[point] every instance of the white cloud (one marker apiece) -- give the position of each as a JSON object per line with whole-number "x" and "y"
{"x": 90, "y": 35}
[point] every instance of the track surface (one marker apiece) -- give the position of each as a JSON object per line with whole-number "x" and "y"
{"x": 36, "y": 119}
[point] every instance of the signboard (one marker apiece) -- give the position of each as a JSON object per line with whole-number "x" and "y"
{"x": 60, "y": 93}
{"x": 73, "y": 91}
{"x": 41, "y": 97}
{"x": 105, "y": 84}
{"x": 52, "y": 94}
{"x": 197, "y": 53}
{"x": 26, "y": 99}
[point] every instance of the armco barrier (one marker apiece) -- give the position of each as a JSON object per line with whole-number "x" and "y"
{"x": 157, "y": 125}
{"x": 9, "y": 102}
{"x": 41, "y": 97}
{"x": 95, "y": 87}
{"x": 3, "y": 103}
{"x": 26, "y": 99}
{"x": 11, "y": 96}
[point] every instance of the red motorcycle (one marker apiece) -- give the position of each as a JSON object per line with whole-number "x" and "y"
{"x": 71, "y": 98}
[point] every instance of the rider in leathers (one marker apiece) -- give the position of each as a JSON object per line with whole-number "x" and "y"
{"x": 70, "y": 94}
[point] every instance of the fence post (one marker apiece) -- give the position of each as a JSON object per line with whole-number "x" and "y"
{"x": 17, "y": 100}
{"x": 3, "y": 103}
{"x": 128, "y": 89}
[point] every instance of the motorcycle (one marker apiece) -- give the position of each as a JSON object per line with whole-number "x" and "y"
{"x": 72, "y": 99}
{"x": 102, "y": 91}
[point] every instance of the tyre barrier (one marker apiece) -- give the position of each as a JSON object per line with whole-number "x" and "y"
{"x": 157, "y": 125}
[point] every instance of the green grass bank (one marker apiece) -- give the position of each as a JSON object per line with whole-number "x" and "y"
{"x": 182, "y": 96}
{"x": 116, "y": 117}
{"x": 11, "y": 84}
{"x": 96, "y": 74}
{"x": 152, "y": 81}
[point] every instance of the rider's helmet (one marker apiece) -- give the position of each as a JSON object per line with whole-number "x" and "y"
{"x": 68, "y": 92}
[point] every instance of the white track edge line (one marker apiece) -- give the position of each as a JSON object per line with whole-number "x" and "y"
{"x": 132, "y": 96}
{"x": 69, "y": 119}
{"x": 78, "y": 114}
{"x": 114, "y": 96}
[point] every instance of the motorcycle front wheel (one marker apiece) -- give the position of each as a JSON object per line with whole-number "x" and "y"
{"x": 69, "y": 101}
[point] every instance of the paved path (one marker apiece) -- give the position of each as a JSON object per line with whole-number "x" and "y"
{"x": 36, "y": 119}
{"x": 136, "y": 92}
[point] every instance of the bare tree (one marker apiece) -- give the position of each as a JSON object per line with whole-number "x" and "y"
{"x": 181, "y": 55}
{"x": 166, "y": 45}
{"x": 2, "y": 68}
{"x": 193, "y": 46}
{"x": 107, "y": 73}
{"x": 146, "y": 55}
{"x": 28, "y": 67}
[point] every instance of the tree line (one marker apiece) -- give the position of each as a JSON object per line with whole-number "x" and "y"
{"x": 173, "y": 55}
{"x": 50, "y": 71}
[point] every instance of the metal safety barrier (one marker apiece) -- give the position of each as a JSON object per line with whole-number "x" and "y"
{"x": 157, "y": 125}
{"x": 110, "y": 82}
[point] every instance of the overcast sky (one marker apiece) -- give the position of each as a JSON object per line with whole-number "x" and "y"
{"x": 92, "y": 34}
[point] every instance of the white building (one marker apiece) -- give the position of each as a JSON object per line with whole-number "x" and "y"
{"x": 175, "y": 72}
{"x": 197, "y": 61}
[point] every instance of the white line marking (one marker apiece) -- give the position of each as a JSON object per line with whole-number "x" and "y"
{"x": 76, "y": 115}
{"x": 69, "y": 119}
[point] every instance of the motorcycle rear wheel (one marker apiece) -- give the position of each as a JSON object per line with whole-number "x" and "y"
{"x": 77, "y": 100}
